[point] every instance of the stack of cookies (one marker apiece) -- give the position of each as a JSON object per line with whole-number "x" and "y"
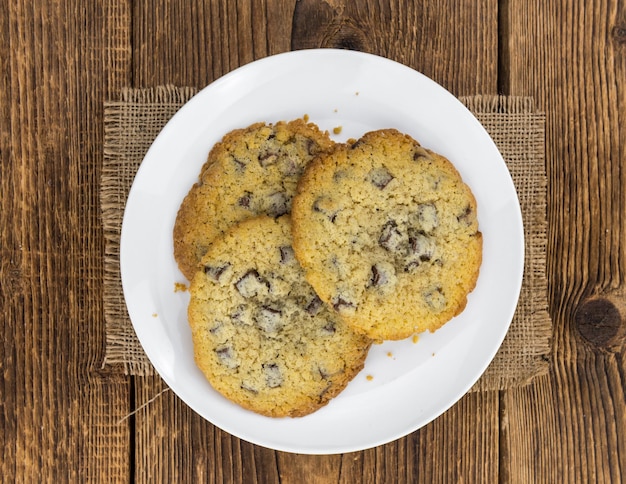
{"x": 302, "y": 252}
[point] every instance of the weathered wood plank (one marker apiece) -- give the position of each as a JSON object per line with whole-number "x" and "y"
{"x": 175, "y": 444}
{"x": 56, "y": 73}
{"x": 194, "y": 43}
{"x": 570, "y": 57}
{"x": 454, "y": 43}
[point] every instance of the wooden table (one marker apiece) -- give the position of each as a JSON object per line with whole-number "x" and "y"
{"x": 64, "y": 418}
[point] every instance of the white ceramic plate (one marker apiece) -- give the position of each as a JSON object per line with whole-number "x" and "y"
{"x": 410, "y": 383}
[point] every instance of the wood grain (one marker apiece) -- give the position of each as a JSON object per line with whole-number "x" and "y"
{"x": 570, "y": 56}
{"x": 55, "y": 74}
{"x": 417, "y": 34}
{"x": 174, "y": 444}
{"x": 63, "y": 419}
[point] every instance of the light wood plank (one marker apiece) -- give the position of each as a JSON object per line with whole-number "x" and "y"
{"x": 176, "y": 444}
{"x": 570, "y": 56}
{"x": 56, "y": 75}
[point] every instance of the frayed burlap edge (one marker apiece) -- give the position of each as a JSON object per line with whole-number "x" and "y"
{"x": 130, "y": 126}
{"x": 133, "y": 121}
{"x": 518, "y": 130}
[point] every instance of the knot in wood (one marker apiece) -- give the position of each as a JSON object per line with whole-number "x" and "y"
{"x": 346, "y": 35}
{"x": 619, "y": 34}
{"x": 599, "y": 322}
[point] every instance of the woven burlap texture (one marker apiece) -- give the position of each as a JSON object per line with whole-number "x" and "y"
{"x": 135, "y": 119}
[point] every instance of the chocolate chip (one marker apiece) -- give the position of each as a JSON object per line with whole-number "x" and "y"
{"x": 421, "y": 245}
{"x": 375, "y": 278}
{"x": 378, "y": 277}
{"x": 356, "y": 144}
{"x": 215, "y": 329}
{"x": 273, "y": 376}
{"x": 240, "y": 164}
{"x": 314, "y": 306}
{"x": 289, "y": 167}
{"x": 226, "y": 356}
{"x": 216, "y": 272}
{"x": 278, "y": 204}
{"x": 420, "y": 154}
{"x": 238, "y": 315}
{"x": 245, "y": 200}
{"x": 319, "y": 205}
{"x": 329, "y": 329}
{"x": 421, "y": 249}
{"x": 435, "y": 299}
{"x": 248, "y": 387}
{"x": 286, "y": 254}
{"x": 312, "y": 147}
{"x": 466, "y": 216}
{"x": 268, "y": 158}
{"x": 251, "y": 284}
{"x": 427, "y": 217}
{"x": 411, "y": 266}
{"x": 390, "y": 237}
{"x": 268, "y": 319}
{"x": 380, "y": 177}
{"x": 382, "y": 276}
{"x": 340, "y": 304}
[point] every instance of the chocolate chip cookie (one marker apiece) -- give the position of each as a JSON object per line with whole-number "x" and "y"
{"x": 252, "y": 171}
{"x": 387, "y": 234}
{"x": 261, "y": 335}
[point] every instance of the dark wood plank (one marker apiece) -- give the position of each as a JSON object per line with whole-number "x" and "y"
{"x": 436, "y": 453}
{"x": 454, "y": 43}
{"x": 200, "y": 41}
{"x": 571, "y": 57}
{"x": 10, "y": 256}
{"x": 59, "y": 416}
{"x": 194, "y": 43}
{"x": 174, "y": 444}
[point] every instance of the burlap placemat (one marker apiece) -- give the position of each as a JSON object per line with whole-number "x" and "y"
{"x": 133, "y": 121}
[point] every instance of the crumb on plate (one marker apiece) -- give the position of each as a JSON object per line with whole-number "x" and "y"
{"x": 180, "y": 287}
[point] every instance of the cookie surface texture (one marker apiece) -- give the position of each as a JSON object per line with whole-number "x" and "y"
{"x": 261, "y": 335}
{"x": 251, "y": 171}
{"x": 387, "y": 234}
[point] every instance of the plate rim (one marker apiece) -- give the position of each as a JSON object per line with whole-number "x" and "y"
{"x": 182, "y": 112}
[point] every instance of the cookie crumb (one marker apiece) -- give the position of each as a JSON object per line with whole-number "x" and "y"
{"x": 335, "y": 110}
{"x": 369, "y": 377}
{"x": 154, "y": 315}
{"x": 337, "y": 130}
{"x": 356, "y": 93}
{"x": 180, "y": 287}
{"x": 306, "y": 118}
{"x": 390, "y": 354}
{"x": 415, "y": 338}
